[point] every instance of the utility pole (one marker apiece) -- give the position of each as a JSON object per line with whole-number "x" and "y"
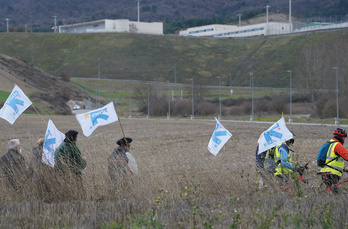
{"x": 267, "y": 13}
{"x": 338, "y": 118}
{"x": 138, "y": 10}
{"x": 7, "y": 28}
{"x": 168, "y": 117}
{"x": 148, "y": 101}
{"x": 239, "y": 15}
{"x": 175, "y": 73}
{"x": 193, "y": 109}
{"x": 290, "y": 118}
{"x": 290, "y": 25}
{"x": 98, "y": 70}
{"x": 219, "y": 97}
{"x": 252, "y": 97}
{"x": 55, "y": 24}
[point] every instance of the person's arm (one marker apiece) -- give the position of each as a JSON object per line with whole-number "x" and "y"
{"x": 341, "y": 151}
{"x": 80, "y": 162}
{"x": 284, "y": 157}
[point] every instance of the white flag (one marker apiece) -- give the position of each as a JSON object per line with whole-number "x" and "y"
{"x": 53, "y": 139}
{"x": 219, "y": 138}
{"x": 276, "y": 134}
{"x": 100, "y": 117}
{"x": 14, "y": 106}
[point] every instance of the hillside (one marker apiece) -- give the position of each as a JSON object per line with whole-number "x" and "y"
{"x": 161, "y": 58}
{"x": 39, "y": 14}
{"x": 48, "y": 91}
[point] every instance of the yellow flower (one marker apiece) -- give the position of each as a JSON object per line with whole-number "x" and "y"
{"x": 220, "y": 212}
{"x": 265, "y": 185}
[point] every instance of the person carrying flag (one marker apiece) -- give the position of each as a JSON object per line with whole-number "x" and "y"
{"x": 282, "y": 158}
{"x": 118, "y": 168}
{"x": 69, "y": 161}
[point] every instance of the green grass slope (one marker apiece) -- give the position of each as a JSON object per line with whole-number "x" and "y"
{"x": 149, "y": 57}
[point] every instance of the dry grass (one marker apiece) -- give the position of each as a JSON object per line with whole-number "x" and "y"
{"x": 171, "y": 155}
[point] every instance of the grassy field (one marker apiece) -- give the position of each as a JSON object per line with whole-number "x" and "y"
{"x": 162, "y": 58}
{"x": 180, "y": 184}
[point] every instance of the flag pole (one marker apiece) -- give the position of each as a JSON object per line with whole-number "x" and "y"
{"x": 119, "y": 120}
{"x": 39, "y": 114}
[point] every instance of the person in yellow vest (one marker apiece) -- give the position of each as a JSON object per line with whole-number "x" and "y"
{"x": 334, "y": 163}
{"x": 282, "y": 158}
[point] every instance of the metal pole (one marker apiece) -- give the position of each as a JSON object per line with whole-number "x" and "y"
{"x": 252, "y": 97}
{"x": 130, "y": 103}
{"x": 98, "y": 70}
{"x": 55, "y": 24}
{"x": 230, "y": 79}
{"x": 7, "y": 28}
{"x": 193, "y": 111}
{"x": 148, "y": 101}
{"x": 290, "y": 118}
{"x": 175, "y": 73}
{"x": 138, "y": 10}
{"x": 219, "y": 97}
{"x": 337, "y": 119}
{"x": 168, "y": 117}
{"x": 96, "y": 93}
{"x": 290, "y": 25}
{"x": 267, "y": 13}
{"x": 239, "y": 15}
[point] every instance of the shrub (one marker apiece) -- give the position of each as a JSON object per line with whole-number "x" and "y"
{"x": 64, "y": 76}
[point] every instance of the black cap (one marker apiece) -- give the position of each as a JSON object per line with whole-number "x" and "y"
{"x": 122, "y": 141}
{"x": 71, "y": 135}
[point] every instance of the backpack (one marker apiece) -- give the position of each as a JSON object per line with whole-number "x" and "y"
{"x": 322, "y": 153}
{"x": 270, "y": 164}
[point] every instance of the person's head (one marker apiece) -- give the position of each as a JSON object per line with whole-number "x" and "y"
{"x": 124, "y": 142}
{"x": 71, "y": 135}
{"x": 292, "y": 140}
{"x": 41, "y": 141}
{"x": 340, "y": 135}
{"x": 14, "y": 144}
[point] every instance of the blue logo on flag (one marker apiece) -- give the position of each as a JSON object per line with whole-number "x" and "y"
{"x": 272, "y": 133}
{"x": 98, "y": 115}
{"x": 217, "y": 134}
{"x": 49, "y": 142}
{"x": 13, "y": 102}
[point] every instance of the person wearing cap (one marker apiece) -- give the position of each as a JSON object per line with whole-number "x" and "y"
{"x": 282, "y": 158}
{"x": 13, "y": 166}
{"x": 118, "y": 169}
{"x": 335, "y": 157}
{"x": 69, "y": 161}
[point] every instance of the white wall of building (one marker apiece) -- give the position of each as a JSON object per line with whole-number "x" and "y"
{"x": 214, "y": 30}
{"x": 147, "y": 27}
{"x": 114, "y": 26}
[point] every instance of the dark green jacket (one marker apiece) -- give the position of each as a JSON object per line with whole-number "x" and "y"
{"x": 69, "y": 157}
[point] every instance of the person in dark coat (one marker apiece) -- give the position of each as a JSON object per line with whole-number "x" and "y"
{"x": 118, "y": 169}
{"x": 13, "y": 167}
{"x": 69, "y": 164}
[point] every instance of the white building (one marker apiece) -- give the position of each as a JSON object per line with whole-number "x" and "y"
{"x": 114, "y": 26}
{"x": 215, "y": 30}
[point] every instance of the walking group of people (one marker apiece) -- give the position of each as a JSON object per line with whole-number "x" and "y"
{"x": 277, "y": 162}
{"x": 65, "y": 179}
